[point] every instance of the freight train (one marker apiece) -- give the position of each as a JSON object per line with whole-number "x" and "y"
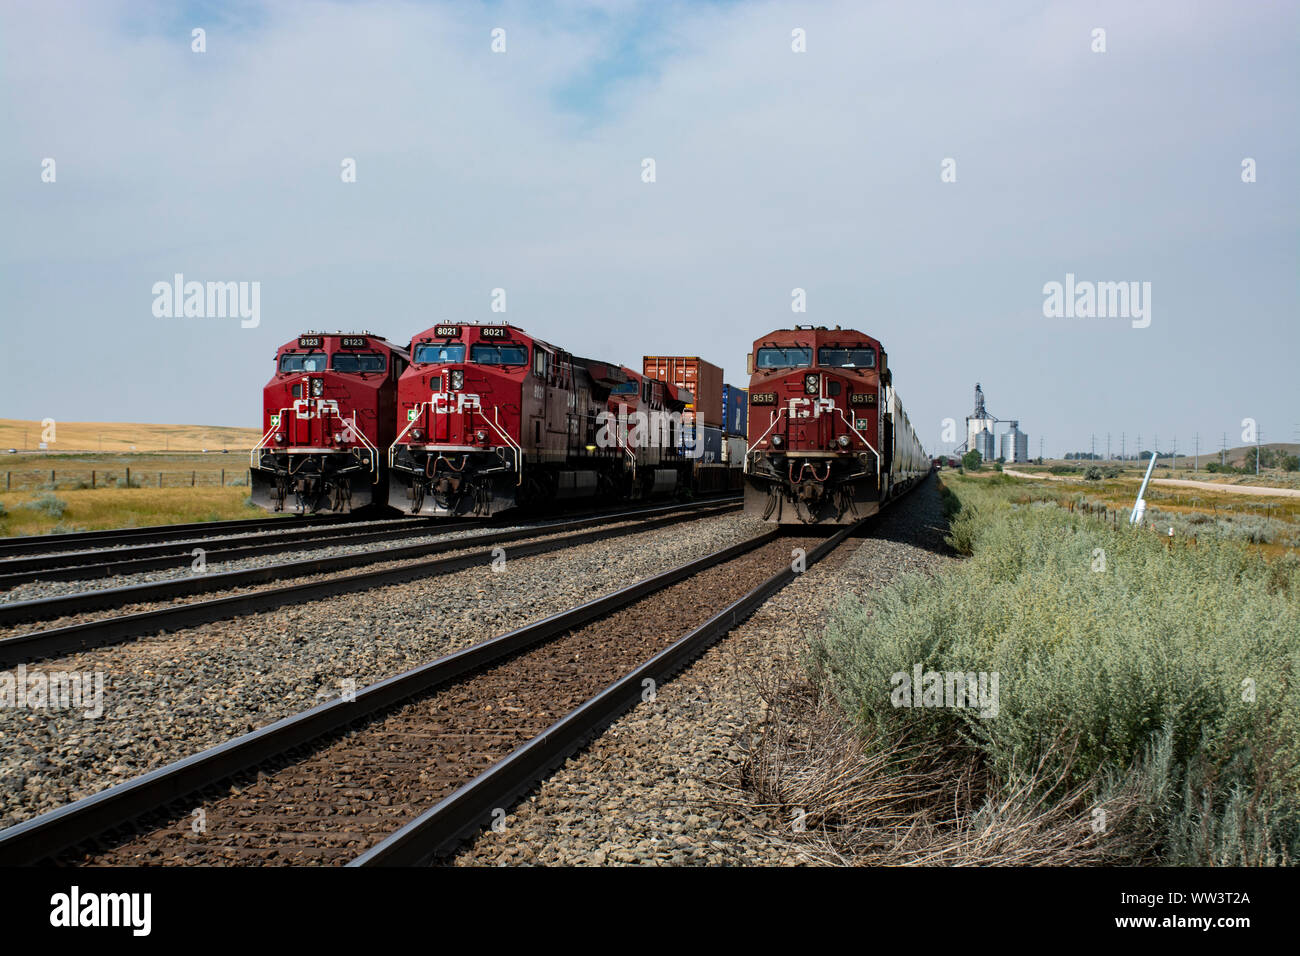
{"x": 492, "y": 418}
{"x": 328, "y": 413}
{"x": 829, "y": 441}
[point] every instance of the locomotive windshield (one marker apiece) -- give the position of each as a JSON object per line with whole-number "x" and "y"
{"x": 626, "y": 388}
{"x": 847, "y": 358}
{"x": 784, "y": 358}
{"x": 357, "y": 362}
{"x": 297, "y": 362}
{"x": 428, "y": 352}
{"x": 499, "y": 354}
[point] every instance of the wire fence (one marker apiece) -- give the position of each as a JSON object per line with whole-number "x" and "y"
{"x": 72, "y": 479}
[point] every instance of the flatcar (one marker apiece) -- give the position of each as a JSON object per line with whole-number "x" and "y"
{"x": 829, "y": 441}
{"x": 492, "y": 418}
{"x": 328, "y": 413}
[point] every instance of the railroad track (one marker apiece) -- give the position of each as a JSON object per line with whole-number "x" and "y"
{"x": 85, "y": 540}
{"x": 400, "y": 772}
{"x": 416, "y": 561}
{"x": 139, "y": 558}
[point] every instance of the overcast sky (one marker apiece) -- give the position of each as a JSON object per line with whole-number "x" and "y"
{"x": 774, "y": 170}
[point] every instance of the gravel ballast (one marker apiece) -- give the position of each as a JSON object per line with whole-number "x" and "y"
{"x": 169, "y": 696}
{"x": 658, "y": 787}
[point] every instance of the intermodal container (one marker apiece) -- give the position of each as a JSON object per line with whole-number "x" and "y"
{"x": 702, "y": 379}
{"x": 710, "y": 448}
{"x": 735, "y": 410}
{"x": 733, "y": 450}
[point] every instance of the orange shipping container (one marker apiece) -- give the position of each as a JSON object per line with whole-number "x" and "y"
{"x": 702, "y": 379}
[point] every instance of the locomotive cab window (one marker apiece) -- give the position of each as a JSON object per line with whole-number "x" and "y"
{"x": 846, "y": 358}
{"x": 784, "y": 358}
{"x": 427, "y": 353}
{"x": 357, "y": 362}
{"x": 539, "y": 363}
{"x": 498, "y": 354}
{"x": 297, "y": 362}
{"x": 624, "y": 388}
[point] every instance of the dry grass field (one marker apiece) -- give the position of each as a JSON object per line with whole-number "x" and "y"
{"x": 65, "y": 511}
{"x": 124, "y": 437}
{"x": 74, "y": 486}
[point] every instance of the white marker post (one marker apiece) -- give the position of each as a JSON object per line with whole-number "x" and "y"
{"x": 1140, "y": 506}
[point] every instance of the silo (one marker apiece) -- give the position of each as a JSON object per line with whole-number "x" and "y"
{"x": 984, "y": 445}
{"x": 1015, "y": 444}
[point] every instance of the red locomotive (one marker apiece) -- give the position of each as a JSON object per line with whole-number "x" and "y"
{"x": 829, "y": 441}
{"x": 492, "y": 418}
{"x": 328, "y": 413}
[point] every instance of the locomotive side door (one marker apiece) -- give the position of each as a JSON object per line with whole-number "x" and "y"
{"x": 887, "y": 426}
{"x": 536, "y": 397}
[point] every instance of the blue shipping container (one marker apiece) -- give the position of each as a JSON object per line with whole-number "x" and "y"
{"x": 709, "y": 451}
{"x": 735, "y": 410}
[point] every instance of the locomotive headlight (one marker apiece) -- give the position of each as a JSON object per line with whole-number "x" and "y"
{"x": 777, "y": 441}
{"x": 843, "y": 441}
{"x": 318, "y": 386}
{"x": 417, "y": 433}
{"x": 811, "y": 385}
{"x": 338, "y": 438}
{"x": 480, "y": 436}
{"x": 457, "y": 380}
{"x": 279, "y": 438}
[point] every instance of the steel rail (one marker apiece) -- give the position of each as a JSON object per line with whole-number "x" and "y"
{"x": 160, "y": 557}
{"x": 54, "y": 831}
{"x": 16, "y": 612}
{"x": 53, "y": 642}
{"x": 51, "y": 543}
{"x": 470, "y": 808}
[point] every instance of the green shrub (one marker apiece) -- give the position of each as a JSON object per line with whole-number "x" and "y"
{"x": 1145, "y": 667}
{"x": 49, "y": 504}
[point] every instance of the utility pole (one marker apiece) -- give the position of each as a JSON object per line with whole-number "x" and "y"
{"x": 1223, "y": 452}
{"x": 1092, "y": 449}
{"x": 1122, "y": 451}
{"x": 1259, "y": 433}
{"x": 1196, "y": 464}
{"x": 1108, "y": 447}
